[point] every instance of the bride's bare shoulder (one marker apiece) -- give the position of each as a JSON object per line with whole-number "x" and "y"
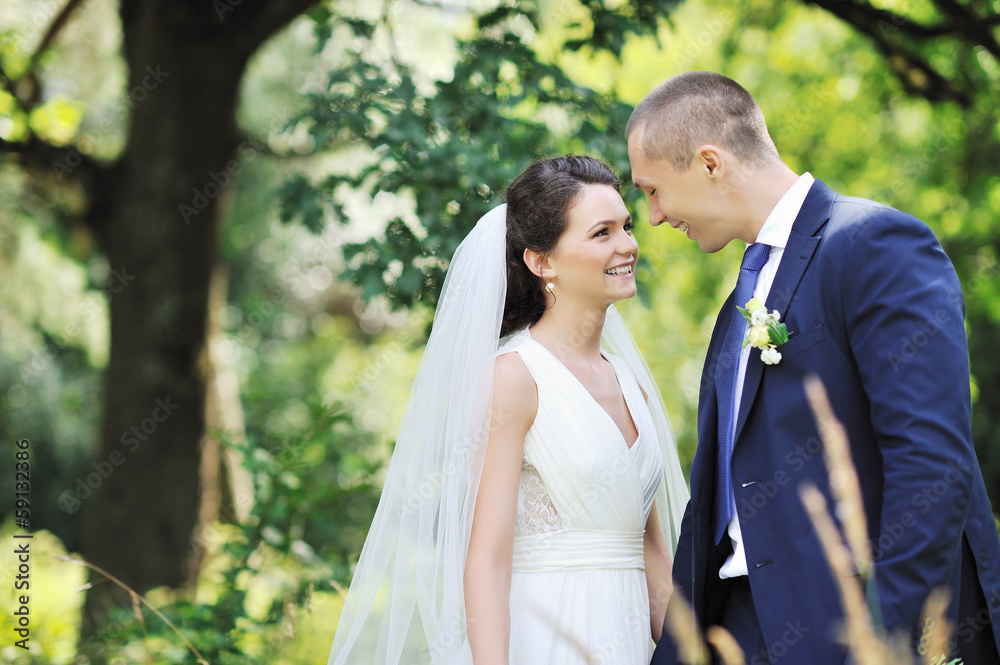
{"x": 510, "y": 373}
{"x": 514, "y": 388}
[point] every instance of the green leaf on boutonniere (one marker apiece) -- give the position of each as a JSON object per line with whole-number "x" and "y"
{"x": 778, "y": 334}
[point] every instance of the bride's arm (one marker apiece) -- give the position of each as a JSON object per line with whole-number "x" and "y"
{"x": 658, "y": 572}
{"x": 491, "y": 544}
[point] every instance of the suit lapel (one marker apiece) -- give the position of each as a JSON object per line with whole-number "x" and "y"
{"x": 703, "y": 464}
{"x": 802, "y": 243}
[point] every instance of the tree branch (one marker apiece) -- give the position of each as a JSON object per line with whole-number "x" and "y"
{"x": 57, "y": 24}
{"x": 10, "y": 85}
{"x": 62, "y": 162}
{"x": 29, "y": 79}
{"x": 895, "y": 34}
{"x": 963, "y": 21}
{"x": 65, "y": 165}
{"x": 868, "y": 18}
{"x": 273, "y": 16}
{"x": 979, "y": 27}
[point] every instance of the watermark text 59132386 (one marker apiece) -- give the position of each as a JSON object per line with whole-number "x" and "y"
{"x": 22, "y": 513}
{"x": 22, "y": 484}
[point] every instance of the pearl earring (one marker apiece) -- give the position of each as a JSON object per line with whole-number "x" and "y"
{"x": 550, "y": 287}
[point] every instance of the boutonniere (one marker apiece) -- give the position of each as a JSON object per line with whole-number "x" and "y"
{"x": 764, "y": 330}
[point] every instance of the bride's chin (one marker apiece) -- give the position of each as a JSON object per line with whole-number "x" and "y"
{"x": 625, "y": 296}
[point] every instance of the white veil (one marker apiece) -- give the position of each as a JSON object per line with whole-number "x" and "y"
{"x": 406, "y": 603}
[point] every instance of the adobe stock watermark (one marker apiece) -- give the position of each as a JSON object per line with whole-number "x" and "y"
{"x": 754, "y": 500}
{"x": 208, "y": 533}
{"x": 967, "y": 629}
{"x": 606, "y": 483}
{"x": 779, "y": 649}
{"x": 447, "y": 639}
{"x": 697, "y": 44}
{"x": 618, "y": 646}
{"x": 432, "y": 482}
{"x": 71, "y": 499}
{"x": 43, "y": 358}
{"x": 386, "y": 357}
{"x": 927, "y": 329}
{"x": 923, "y": 500}
{"x": 88, "y": 142}
{"x": 108, "y": 631}
{"x": 223, "y": 7}
{"x": 218, "y": 181}
{"x": 117, "y": 282}
{"x": 459, "y": 458}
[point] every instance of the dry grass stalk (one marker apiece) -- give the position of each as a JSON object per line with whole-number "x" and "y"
{"x": 939, "y": 632}
{"x": 844, "y": 482}
{"x": 725, "y": 644}
{"x": 866, "y": 647}
{"x": 683, "y": 626}
{"x": 859, "y": 634}
{"x": 137, "y": 598}
{"x": 339, "y": 588}
{"x": 846, "y": 490}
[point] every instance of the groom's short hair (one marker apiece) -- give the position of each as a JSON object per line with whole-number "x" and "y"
{"x": 694, "y": 108}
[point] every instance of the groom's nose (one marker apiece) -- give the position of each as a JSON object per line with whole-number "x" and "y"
{"x": 656, "y": 216}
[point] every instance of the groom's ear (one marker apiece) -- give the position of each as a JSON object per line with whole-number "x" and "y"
{"x": 537, "y": 263}
{"x": 709, "y": 158}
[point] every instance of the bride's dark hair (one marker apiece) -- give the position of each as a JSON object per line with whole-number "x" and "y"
{"x": 538, "y": 204}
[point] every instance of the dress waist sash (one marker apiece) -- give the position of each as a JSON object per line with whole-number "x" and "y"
{"x": 578, "y": 549}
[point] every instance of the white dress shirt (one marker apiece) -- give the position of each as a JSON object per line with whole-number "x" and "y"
{"x": 777, "y": 227}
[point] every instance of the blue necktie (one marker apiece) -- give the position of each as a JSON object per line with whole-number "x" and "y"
{"x": 726, "y": 368}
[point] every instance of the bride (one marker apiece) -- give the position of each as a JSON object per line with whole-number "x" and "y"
{"x": 534, "y": 495}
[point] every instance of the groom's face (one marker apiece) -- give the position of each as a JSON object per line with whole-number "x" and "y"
{"x": 687, "y": 200}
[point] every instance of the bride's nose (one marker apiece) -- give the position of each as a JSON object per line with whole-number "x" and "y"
{"x": 628, "y": 246}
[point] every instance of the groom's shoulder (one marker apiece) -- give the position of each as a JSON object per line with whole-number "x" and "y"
{"x": 853, "y": 220}
{"x": 852, "y": 211}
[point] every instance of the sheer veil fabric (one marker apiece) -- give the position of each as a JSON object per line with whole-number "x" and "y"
{"x": 406, "y": 602}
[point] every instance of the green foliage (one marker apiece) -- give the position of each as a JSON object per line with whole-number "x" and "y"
{"x": 314, "y": 495}
{"x": 53, "y": 342}
{"x": 454, "y": 147}
{"x": 300, "y": 200}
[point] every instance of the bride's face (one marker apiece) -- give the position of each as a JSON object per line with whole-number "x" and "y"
{"x": 593, "y": 262}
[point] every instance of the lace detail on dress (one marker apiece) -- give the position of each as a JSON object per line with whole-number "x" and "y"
{"x": 535, "y": 511}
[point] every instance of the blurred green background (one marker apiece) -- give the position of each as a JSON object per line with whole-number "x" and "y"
{"x": 245, "y": 210}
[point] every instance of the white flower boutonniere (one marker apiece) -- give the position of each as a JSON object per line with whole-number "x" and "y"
{"x": 764, "y": 331}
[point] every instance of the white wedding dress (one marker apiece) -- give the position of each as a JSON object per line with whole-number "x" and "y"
{"x": 578, "y": 591}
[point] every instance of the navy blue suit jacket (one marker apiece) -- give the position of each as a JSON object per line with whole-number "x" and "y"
{"x": 875, "y": 311}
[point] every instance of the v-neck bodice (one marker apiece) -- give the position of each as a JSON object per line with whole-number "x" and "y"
{"x": 592, "y": 477}
{"x": 574, "y": 379}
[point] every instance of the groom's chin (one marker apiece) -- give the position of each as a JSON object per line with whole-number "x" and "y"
{"x": 710, "y": 247}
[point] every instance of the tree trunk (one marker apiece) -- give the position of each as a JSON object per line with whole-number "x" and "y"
{"x": 159, "y": 228}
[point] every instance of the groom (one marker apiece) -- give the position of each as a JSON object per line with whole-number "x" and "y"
{"x": 876, "y": 311}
